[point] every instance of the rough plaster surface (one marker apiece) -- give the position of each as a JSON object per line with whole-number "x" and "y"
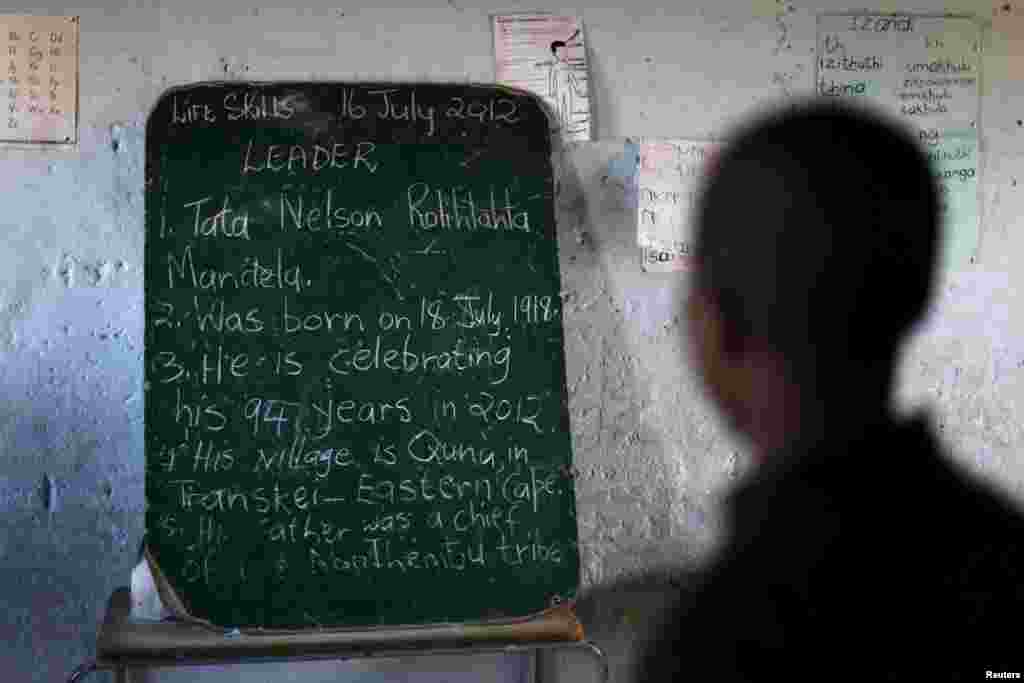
{"x": 651, "y": 454}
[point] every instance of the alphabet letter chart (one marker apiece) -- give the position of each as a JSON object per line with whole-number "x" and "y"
{"x": 39, "y": 91}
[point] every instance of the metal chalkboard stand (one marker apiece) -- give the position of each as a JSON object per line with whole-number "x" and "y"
{"x": 125, "y": 644}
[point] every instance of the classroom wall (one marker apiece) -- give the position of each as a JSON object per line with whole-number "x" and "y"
{"x": 652, "y": 456}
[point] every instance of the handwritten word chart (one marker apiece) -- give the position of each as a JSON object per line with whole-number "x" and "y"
{"x": 924, "y": 70}
{"x": 668, "y": 179}
{"x": 955, "y": 159}
{"x": 40, "y": 82}
{"x": 356, "y": 410}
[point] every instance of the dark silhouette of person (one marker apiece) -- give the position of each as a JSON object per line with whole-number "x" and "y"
{"x": 856, "y": 549}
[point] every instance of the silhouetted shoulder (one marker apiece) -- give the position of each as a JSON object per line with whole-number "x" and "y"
{"x": 867, "y": 540}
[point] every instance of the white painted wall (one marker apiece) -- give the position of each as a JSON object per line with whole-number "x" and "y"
{"x": 650, "y": 450}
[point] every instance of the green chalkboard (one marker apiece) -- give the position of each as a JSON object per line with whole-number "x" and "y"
{"x": 356, "y": 411}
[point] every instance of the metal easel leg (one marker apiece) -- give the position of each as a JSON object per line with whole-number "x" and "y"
{"x": 81, "y": 672}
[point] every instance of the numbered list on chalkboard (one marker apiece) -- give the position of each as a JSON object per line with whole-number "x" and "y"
{"x": 356, "y": 410}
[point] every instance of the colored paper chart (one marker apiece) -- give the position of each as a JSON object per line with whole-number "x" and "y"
{"x": 668, "y": 180}
{"x": 955, "y": 158}
{"x": 924, "y": 70}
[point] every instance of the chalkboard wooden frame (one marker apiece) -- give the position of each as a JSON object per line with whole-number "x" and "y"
{"x": 356, "y": 412}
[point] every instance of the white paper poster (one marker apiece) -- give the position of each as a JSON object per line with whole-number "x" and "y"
{"x": 668, "y": 180}
{"x": 924, "y": 70}
{"x": 546, "y": 55}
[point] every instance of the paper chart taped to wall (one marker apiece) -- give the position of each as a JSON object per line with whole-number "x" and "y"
{"x": 922, "y": 69}
{"x": 925, "y": 71}
{"x": 668, "y": 180}
{"x": 546, "y": 55}
{"x": 41, "y": 96}
{"x": 954, "y": 158}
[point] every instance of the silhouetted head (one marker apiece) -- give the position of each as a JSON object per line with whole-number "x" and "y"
{"x": 817, "y": 233}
